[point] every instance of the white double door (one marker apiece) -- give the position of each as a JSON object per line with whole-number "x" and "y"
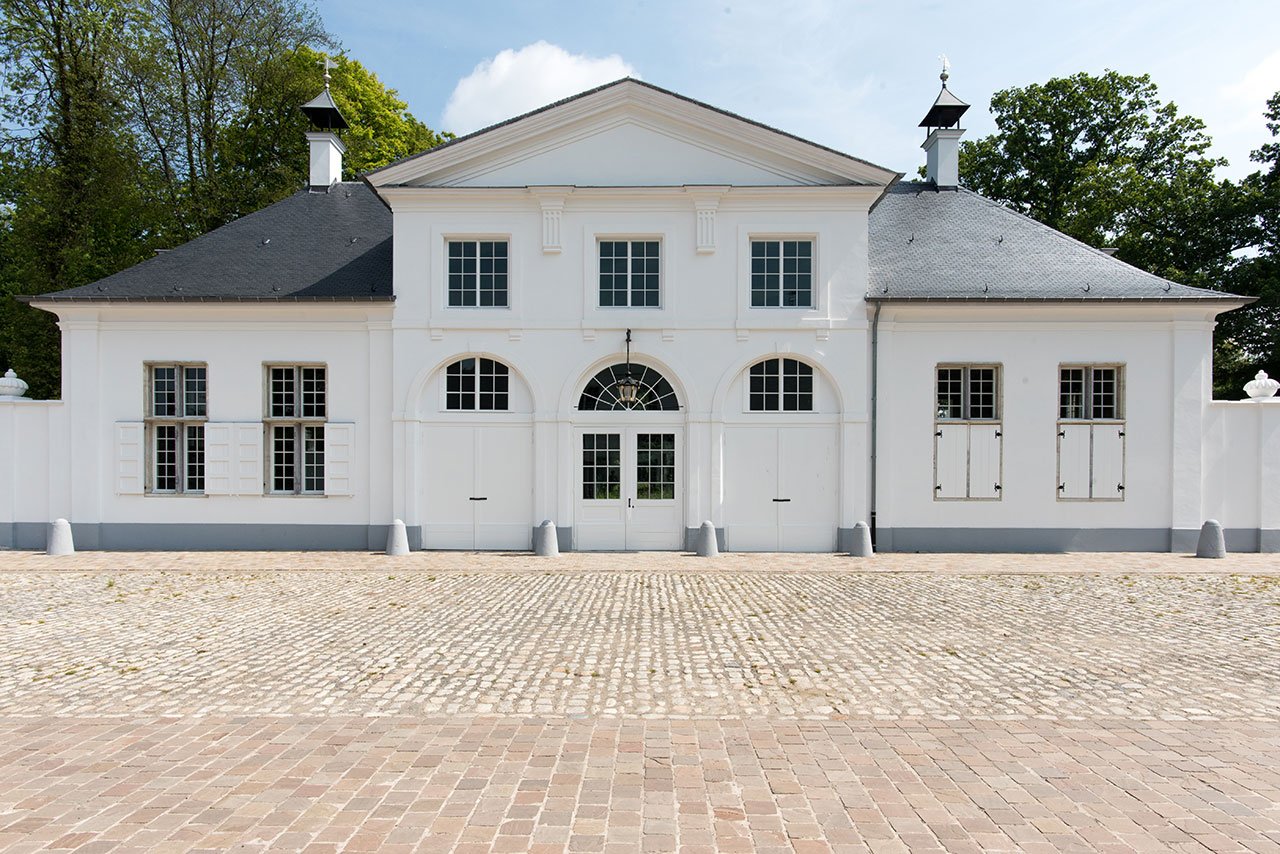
{"x": 478, "y": 487}
{"x": 781, "y": 488}
{"x": 628, "y": 488}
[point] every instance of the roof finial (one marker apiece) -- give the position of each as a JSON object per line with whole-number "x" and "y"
{"x": 328, "y": 64}
{"x": 946, "y": 69}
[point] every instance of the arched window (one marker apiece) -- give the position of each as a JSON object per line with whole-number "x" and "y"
{"x": 781, "y": 385}
{"x": 654, "y": 392}
{"x": 475, "y": 384}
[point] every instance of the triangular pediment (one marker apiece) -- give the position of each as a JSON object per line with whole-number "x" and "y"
{"x": 629, "y": 134}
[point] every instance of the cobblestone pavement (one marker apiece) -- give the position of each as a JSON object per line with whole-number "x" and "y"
{"x": 639, "y": 703}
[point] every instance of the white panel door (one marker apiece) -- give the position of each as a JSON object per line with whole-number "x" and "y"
{"x": 1073, "y": 460}
{"x": 750, "y": 487}
{"x": 951, "y": 461}
{"x": 781, "y": 488}
{"x": 628, "y": 483}
{"x": 479, "y": 487}
{"x": 448, "y": 515}
{"x": 1108, "y": 461}
{"x": 985, "y": 445}
{"x": 808, "y": 489}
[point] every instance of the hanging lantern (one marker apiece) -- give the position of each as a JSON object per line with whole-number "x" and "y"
{"x": 628, "y": 389}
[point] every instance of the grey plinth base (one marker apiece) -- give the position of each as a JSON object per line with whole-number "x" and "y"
{"x": 546, "y": 540}
{"x": 861, "y": 545}
{"x": 1212, "y": 543}
{"x": 397, "y": 539}
{"x": 706, "y": 545}
{"x": 60, "y": 541}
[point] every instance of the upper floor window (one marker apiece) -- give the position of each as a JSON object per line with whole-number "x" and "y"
{"x": 476, "y": 384}
{"x": 297, "y": 408}
{"x": 478, "y": 273}
{"x": 1090, "y": 393}
{"x": 784, "y": 385}
{"x": 176, "y": 411}
{"x": 782, "y": 273}
{"x": 629, "y": 274}
{"x": 968, "y": 393}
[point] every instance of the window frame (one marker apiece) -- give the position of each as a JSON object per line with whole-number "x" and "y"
{"x": 1087, "y": 405}
{"x": 181, "y": 421}
{"x": 630, "y": 240}
{"x": 476, "y": 391}
{"x": 476, "y": 239}
{"x": 782, "y": 239}
{"x": 966, "y": 392}
{"x": 781, "y": 393}
{"x": 301, "y": 425}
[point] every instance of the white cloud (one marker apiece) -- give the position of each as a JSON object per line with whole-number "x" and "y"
{"x": 517, "y": 81}
{"x": 1258, "y": 84}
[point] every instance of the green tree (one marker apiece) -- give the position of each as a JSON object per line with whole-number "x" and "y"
{"x": 1104, "y": 160}
{"x": 1254, "y": 331}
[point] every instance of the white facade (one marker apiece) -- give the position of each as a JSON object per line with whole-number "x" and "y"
{"x": 631, "y": 164}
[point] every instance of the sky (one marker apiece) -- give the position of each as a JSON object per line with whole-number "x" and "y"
{"x": 856, "y": 76}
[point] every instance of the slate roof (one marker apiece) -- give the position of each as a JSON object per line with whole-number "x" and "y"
{"x": 954, "y": 245}
{"x": 311, "y": 246}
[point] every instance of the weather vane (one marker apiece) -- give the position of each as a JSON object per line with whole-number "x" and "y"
{"x": 328, "y": 64}
{"x": 946, "y": 68}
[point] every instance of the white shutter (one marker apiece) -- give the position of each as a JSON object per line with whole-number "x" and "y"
{"x": 233, "y": 458}
{"x": 131, "y": 457}
{"x": 1073, "y": 460}
{"x": 246, "y": 454}
{"x": 339, "y": 441}
{"x": 950, "y": 460}
{"x": 985, "y": 444}
{"x": 1108, "y": 461}
{"x": 217, "y": 459}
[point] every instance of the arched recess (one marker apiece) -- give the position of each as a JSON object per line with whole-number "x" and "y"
{"x": 628, "y": 462}
{"x": 780, "y": 455}
{"x": 476, "y": 477}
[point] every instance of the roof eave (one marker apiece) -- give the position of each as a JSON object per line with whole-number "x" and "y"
{"x": 1229, "y": 299}
{"x": 37, "y": 299}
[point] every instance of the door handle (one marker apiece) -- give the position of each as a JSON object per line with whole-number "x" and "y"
{"x": 629, "y": 504}
{"x": 481, "y": 498}
{"x": 782, "y": 501}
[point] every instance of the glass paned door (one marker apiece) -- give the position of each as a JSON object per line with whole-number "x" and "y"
{"x": 629, "y": 490}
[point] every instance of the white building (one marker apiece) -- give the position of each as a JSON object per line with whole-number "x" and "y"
{"x": 813, "y": 342}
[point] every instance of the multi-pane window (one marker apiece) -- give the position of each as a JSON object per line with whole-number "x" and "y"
{"x": 784, "y": 385}
{"x": 968, "y": 393}
{"x": 655, "y": 466}
{"x": 601, "y": 466}
{"x": 1089, "y": 393}
{"x": 782, "y": 273}
{"x": 629, "y": 273}
{"x": 478, "y": 273}
{"x": 176, "y": 411}
{"x": 476, "y": 384}
{"x": 296, "y": 413}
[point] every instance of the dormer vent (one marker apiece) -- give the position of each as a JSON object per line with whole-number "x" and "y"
{"x": 326, "y": 148}
{"x": 942, "y": 145}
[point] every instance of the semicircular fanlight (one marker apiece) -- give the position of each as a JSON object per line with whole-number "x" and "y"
{"x": 654, "y": 393}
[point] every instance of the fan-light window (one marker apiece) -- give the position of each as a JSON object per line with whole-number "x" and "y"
{"x": 477, "y": 384}
{"x": 780, "y": 385}
{"x": 653, "y": 392}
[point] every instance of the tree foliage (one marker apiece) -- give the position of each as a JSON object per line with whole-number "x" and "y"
{"x": 134, "y": 125}
{"x": 1104, "y": 160}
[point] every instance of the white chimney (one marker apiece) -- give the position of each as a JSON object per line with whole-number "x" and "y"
{"x": 942, "y": 145}
{"x": 326, "y": 159}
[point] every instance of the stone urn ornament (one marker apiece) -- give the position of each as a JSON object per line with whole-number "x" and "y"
{"x": 11, "y": 388}
{"x": 1260, "y": 387}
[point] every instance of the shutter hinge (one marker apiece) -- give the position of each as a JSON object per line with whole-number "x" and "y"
{"x": 1121, "y": 433}
{"x": 998, "y": 487}
{"x": 998, "y": 434}
{"x": 938, "y": 434}
{"x": 1120, "y": 487}
{"x": 938, "y": 488}
{"x": 1062, "y": 487}
{"x": 1062, "y": 434}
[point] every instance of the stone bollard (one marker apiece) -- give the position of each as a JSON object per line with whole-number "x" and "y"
{"x": 397, "y": 539}
{"x": 60, "y": 541}
{"x": 1212, "y": 543}
{"x": 545, "y": 542}
{"x": 706, "y": 546}
{"x": 861, "y": 545}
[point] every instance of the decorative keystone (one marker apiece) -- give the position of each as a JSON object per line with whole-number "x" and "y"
{"x": 1261, "y": 386}
{"x": 12, "y": 388}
